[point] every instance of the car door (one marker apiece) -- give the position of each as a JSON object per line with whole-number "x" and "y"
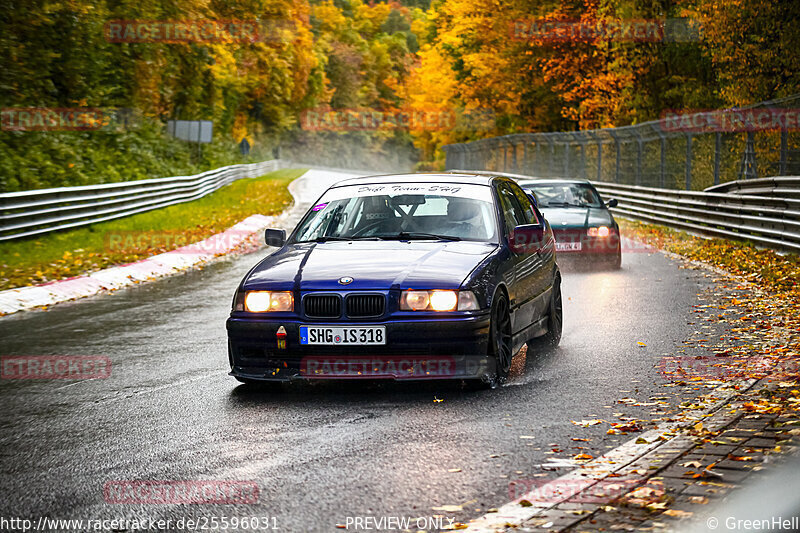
{"x": 542, "y": 277}
{"x": 526, "y": 264}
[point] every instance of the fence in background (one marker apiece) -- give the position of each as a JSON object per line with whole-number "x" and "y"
{"x": 29, "y": 213}
{"x": 666, "y": 154}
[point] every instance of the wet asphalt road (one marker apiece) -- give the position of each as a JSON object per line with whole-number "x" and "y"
{"x": 319, "y": 453}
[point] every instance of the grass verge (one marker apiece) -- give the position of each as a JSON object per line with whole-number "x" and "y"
{"x": 72, "y": 253}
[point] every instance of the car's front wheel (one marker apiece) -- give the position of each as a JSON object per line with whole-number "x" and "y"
{"x": 555, "y": 321}
{"x": 499, "y": 344}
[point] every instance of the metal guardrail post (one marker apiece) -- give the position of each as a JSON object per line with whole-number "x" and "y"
{"x": 688, "y": 164}
{"x": 717, "y": 154}
{"x": 619, "y": 155}
{"x": 662, "y": 174}
{"x": 582, "y": 143}
{"x": 784, "y": 151}
{"x": 639, "y": 151}
{"x": 537, "y": 168}
{"x": 599, "y": 159}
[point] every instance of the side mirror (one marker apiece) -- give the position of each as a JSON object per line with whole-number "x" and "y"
{"x": 275, "y": 237}
{"x": 612, "y": 203}
{"x": 527, "y": 239}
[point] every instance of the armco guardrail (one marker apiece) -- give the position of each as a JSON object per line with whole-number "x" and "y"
{"x": 28, "y": 213}
{"x": 781, "y": 187}
{"x": 767, "y": 220}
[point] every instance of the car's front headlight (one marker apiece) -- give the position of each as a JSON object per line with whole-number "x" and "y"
{"x": 601, "y": 231}
{"x": 438, "y": 300}
{"x": 265, "y": 301}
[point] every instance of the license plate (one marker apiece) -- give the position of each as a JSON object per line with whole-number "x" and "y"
{"x": 343, "y": 335}
{"x": 568, "y": 246}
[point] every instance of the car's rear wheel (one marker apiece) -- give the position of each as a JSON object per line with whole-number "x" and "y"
{"x": 555, "y": 320}
{"x": 616, "y": 263}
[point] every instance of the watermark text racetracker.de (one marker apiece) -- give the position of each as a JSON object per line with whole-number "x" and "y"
{"x": 55, "y": 367}
{"x": 199, "y": 523}
{"x": 731, "y": 120}
{"x": 398, "y": 367}
{"x": 62, "y": 118}
{"x": 197, "y": 31}
{"x": 131, "y": 242}
{"x": 546, "y": 30}
{"x": 364, "y": 119}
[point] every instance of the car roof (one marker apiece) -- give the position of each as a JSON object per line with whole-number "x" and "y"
{"x": 465, "y": 178}
{"x": 552, "y": 181}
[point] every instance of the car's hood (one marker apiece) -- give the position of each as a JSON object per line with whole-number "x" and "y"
{"x": 577, "y": 217}
{"x": 373, "y": 265}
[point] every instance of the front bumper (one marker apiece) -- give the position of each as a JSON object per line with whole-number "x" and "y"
{"x": 600, "y": 248}
{"x": 416, "y": 349}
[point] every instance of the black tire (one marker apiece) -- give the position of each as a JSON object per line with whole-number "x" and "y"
{"x": 616, "y": 263}
{"x": 500, "y": 348}
{"x": 555, "y": 321}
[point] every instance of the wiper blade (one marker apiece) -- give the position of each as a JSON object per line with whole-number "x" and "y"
{"x": 333, "y": 238}
{"x": 563, "y": 204}
{"x": 403, "y": 235}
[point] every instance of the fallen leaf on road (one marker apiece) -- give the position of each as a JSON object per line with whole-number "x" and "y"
{"x": 583, "y": 457}
{"x": 677, "y": 513}
{"x": 641, "y": 343}
{"x": 453, "y": 509}
{"x": 587, "y": 423}
{"x": 656, "y": 506}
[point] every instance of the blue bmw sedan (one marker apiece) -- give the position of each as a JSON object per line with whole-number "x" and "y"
{"x": 418, "y": 276}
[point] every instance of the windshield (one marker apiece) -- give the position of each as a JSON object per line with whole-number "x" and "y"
{"x": 565, "y": 195}
{"x": 418, "y": 211}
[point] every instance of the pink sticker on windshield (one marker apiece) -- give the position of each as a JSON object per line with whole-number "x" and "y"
{"x": 319, "y": 207}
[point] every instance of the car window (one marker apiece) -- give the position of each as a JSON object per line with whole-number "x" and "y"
{"x": 513, "y": 215}
{"x": 392, "y": 210}
{"x": 565, "y": 195}
{"x": 528, "y": 211}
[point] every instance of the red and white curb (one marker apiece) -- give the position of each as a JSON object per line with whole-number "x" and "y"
{"x": 240, "y": 238}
